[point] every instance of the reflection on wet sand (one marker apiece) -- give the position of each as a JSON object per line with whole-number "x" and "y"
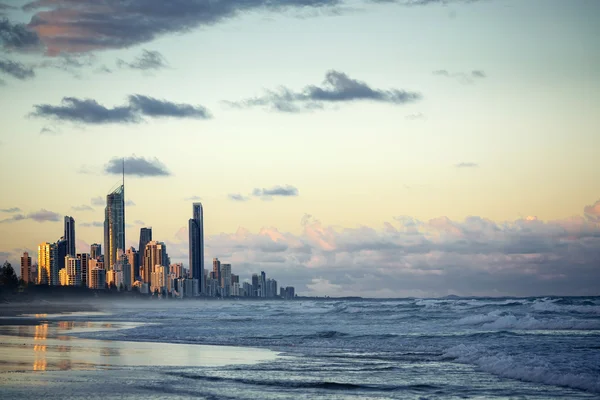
{"x": 50, "y": 345}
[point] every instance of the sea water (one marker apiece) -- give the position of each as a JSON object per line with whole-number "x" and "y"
{"x": 474, "y": 348}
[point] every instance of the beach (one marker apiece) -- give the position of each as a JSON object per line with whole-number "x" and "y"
{"x": 41, "y": 355}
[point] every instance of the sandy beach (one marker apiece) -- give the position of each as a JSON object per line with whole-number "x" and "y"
{"x": 38, "y": 350}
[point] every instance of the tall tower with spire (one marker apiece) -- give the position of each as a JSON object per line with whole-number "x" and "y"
{"x": 114, "y": 223}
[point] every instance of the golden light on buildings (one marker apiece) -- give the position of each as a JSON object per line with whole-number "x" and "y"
{"x": 40, "y": 348}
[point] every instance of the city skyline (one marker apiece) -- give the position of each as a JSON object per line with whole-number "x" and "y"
{"x": 376, "y": 158}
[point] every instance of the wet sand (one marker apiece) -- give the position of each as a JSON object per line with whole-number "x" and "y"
{"x": 44, "y": 342}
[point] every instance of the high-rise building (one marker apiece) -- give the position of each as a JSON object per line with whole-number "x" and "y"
{"x": 61, "y": 254}
{"x": 114, "y": 225}
{"x": 47, "y": 263}
{"x": 255, "y": 285}
{"x": 177, "y": 270}
{"x": 158, "y": 279}
{"x": 196, "y": 245}
{"x": 84, "y": 261}
{"x": 123, "y": 270}
{"x": 145, "y": 237}
{"x": 155, "y": 253}
{"x": 25, "y": 267}
{"x": 225, "y": 280}
{"x": 97, "y": 278}
{"x": 73, "y": 271}
{"x": 133, "y": 257}
{"x": 93, "y": 264}
{"x": 70, "y": 235}
{"x": 263, "y": 284}
{"x": 217, "y": 270}
{"x": 95, "y": 251}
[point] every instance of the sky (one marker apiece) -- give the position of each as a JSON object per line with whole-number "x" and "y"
{"x": 346, "y": 147}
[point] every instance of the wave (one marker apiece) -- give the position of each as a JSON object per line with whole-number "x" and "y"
{"x": 530, "y": 370}
{"x": 305, "y": 384}
{"x": 565, "y": 306}
{"x": 501, "y": 321}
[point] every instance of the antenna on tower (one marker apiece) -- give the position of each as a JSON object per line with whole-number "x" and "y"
{"x": 123, "y": 173}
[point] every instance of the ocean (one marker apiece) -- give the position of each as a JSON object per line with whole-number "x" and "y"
{"x": 459, "y": 348}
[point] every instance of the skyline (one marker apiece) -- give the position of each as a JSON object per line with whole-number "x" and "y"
{"x": 376, "y": 158}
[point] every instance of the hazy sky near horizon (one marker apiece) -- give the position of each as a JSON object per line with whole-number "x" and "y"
{"x": 401, "y": 148}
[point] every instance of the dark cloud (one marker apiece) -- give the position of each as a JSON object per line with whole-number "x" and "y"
{"x": 10, "y": 210}
{"x": 93, "y": 224}
{"x": 161, "y": 108}
{"x": 89, "y": 111}
{"x": 72, "y": 64}
{"x": 337, "y": 88}
{"x": 42, "y": 215}
{"x": 17, "y": 36}
{"x": 83, "y": 207}
{"x": 66, "y": 26}
{"x": 136, "y": 166}
{"x": 283, "y": 191}
{"x": 98, "y": 201}
{"x": 86, "y": 111}
{"x": 147, "y": 61}
{"x": 466, "y": 165}
{"x": 462, "y": 77}
{"x": 16, "y": 69}
{"x": 48, "y": 131}
{"x": 237, "y": 197}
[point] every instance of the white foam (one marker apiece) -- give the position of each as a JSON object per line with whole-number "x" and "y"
{"x": 528, "y": 322}
{"x": 533, "y": 370}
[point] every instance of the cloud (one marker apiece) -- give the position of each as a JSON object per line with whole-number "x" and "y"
{"x": 130, "y": 203}
{"x": 18, "y": 36}
{"x": 10, "y": 210}
{"x": 136, "y": 166}
{"x": 193, "y": 198}
{"x": 280, "y": 191}
{"x": 64, "y": 26}
{"x": 83, "y": 207}
{"x": 49, "y": 131}
{"x": 161, "y": 108}
{"x": 16, "y": 69}
{"x": 462, "y": 77}
{"x": 89, "y": 111}
{"x": 416, "y": 116}
{"x": 470, "y": 257}
{"x": 98, "y": 201}
{"x": 85, "y": 111}
{"x": 466, "y": 165}
{"x": 237, "y": 197}
{"x": 42, "y": 215}
{"x": 147, "y": 61}
{"x": 72, "y": 64}
{"x": 592, "y": 212}
{"x": 139, "y": 222}
{"x": 337, "y": 88}
{"x": 93, "y": 224}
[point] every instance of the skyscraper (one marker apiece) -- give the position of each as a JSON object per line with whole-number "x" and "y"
{"x": 145, "y": 237}
{"x": 196, "y": 245}
{"x": 155, "y": 253}
{"x": 25, "y": 267}
{"x": 114, "y": 225}
{"x": 70, "y": 235}
{"x": 134, "y": 261}
{"x": 95, "y": 251}
{"x": 225, "y": 280}
{"x": 84, "y": 260}
{"x": 217, "y": 270}
{"x": 61, "y": 254}
{"x": 47, "y": 263}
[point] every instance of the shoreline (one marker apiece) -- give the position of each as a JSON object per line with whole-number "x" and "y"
{"x": 19, "y": 309}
